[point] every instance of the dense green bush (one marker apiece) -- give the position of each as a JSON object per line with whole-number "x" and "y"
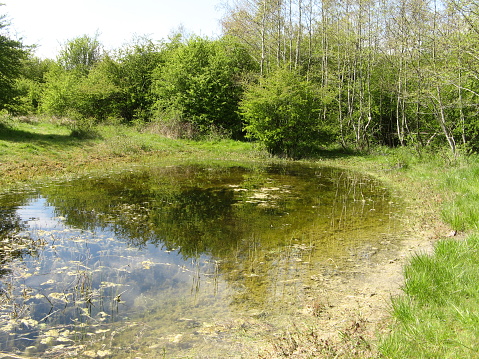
{"x": 131, "y": 72}
{"x": 80, "y": 83}
{"x": 201, "y": 84}
{"x": 280, "y": 112}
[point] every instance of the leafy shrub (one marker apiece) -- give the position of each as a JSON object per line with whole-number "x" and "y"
{"x": 82, "y": 127}
{"x": 201, "y": 84}
{"x": 6, "y": 119}
{"x": 280, "y": 111}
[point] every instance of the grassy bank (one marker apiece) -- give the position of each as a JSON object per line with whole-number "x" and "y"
{"x": 39, "y": 149}
{"x": 436, "y": 317}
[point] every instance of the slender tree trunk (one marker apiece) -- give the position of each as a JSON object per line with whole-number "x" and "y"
{"x": 310, "y": 36}
{"x": 461, "y": 110}
{"x": 263, "y": 38}
{"x": 324, "y": 47}
{"x": 279, "y": 30}
{"x": 299, "y": 36}
{"x": 291, "y": 34}
{"x": 442, "y": 121}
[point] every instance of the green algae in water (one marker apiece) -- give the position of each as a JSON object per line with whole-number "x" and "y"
{"x": 179, "y": 260}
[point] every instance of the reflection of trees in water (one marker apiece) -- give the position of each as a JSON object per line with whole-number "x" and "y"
{"x": 211, "y": 210}
{"x": 9, "y": 225}
{"x": 181, "y": 207}
{"x": 12, "y": 246}
{"x": 192, "y": 208}
{"x": 246, "y": 219}
{"x": 254, "y": 226}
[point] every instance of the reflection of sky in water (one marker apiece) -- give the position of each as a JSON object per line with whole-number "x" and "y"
{"x": 39, "y": 214}
{"x": 95, "y": 270}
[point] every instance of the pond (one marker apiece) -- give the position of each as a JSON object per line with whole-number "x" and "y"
{"x": 180, "y": 261}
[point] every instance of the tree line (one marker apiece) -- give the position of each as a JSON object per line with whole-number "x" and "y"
{"x": 294, "y": 75}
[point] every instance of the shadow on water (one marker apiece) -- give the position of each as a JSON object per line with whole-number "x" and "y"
{"x": 9, "y": 226}
{"x": 182, "y": 258}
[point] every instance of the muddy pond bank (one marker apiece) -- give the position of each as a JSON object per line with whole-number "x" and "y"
{"x": 270, "y": 259}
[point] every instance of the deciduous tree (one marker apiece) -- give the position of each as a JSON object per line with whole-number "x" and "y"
{"x": 200, "y": 84}
{"x": 80, "y": 54}
{"x": 12, "y": 52}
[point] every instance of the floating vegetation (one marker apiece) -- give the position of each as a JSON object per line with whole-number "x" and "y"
{"x": 180, "y": 258}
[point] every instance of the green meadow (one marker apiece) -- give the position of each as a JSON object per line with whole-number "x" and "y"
{"x": 436, "y": 316}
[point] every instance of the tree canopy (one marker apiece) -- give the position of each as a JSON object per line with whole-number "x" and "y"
{"x": 294, "y": 75}
{"x": 281, "y": 112}
{"x": 80, "y": 54}
{"x": 201, "y": 83}
{"x": 12, "y": 52}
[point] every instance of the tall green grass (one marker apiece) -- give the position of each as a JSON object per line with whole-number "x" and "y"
{"x": 438, "y": 315}
{"x": 462, "y": 212}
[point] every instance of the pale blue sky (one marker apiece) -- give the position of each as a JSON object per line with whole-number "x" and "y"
{"x": 50, "y": 23}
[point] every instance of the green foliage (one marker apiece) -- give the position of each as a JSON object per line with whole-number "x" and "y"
{"x": 29, "y": 86}
{"x": 59, "y": 92}
{"x": 6, "y": 120}
{"x": 470, "y": 132}
{"x": 132, "y": 74}
{"x": 412, "y": 86}
{"x": 281, "y": 112}
{"x": 438, "y": 316}
{"x": 97, "y": 95}
{"x": 201, "y": 84}
{"x": 28, "y": 97}
{"x": 80, "y": 54}
{"x": 93, "y": 95}
{"x": 80, "y": 83}
{"x": 12, "y": 52}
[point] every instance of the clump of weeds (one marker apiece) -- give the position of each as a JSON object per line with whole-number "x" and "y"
{"x": 300, "y": 343}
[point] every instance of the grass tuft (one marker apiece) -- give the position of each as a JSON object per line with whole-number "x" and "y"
{"x": 463, "y": 211}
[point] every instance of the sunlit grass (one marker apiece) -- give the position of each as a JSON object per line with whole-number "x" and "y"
{"x": 30, "y": 149}
{"x": 463, "y": 211}
{"x": 438, "y": 316}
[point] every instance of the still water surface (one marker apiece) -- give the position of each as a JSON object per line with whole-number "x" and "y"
{"x": 182, "y": 261}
